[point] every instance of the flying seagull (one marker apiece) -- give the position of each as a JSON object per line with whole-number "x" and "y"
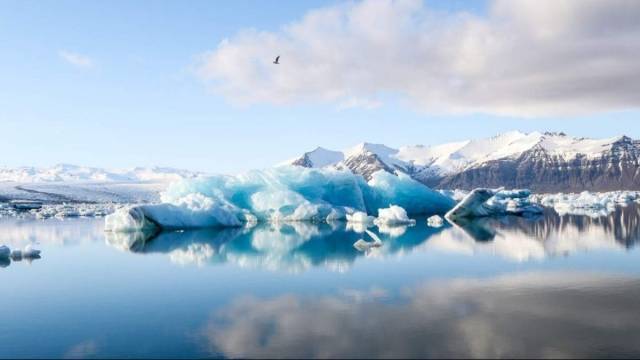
{"x": 276, "y": 61}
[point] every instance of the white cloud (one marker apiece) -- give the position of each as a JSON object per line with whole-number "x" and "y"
{"x": 75, "y": 59}
{"x": 525, "y": 58}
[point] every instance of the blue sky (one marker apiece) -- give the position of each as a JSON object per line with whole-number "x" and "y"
{"x": 117, "y": 84}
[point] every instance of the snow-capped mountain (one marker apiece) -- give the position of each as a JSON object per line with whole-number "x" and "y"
{"x": 73, "y": 173}
{"x": 539, "y": 161}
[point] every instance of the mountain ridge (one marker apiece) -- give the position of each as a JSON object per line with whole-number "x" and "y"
{"x": 541, "y": 161}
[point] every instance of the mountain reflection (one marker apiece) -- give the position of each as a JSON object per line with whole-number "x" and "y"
{"x": 298, "y": 246}
{"x": 555, "y": 315}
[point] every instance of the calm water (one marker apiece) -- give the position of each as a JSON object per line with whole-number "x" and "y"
{"x": 545, "y": 287}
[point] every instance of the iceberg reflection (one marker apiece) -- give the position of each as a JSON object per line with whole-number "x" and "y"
{"x": 293, "y": 246}
{"x": 298, "y": 246}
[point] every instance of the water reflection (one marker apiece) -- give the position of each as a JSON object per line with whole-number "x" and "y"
{"x": 299, "y": 246}
{"x": 292, "y": 247}
{"x": 523, "y": 315}
{"x": 549, "y": 235}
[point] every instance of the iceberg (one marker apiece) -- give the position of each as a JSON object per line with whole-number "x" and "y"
{"x": 487, "y": 202}
{"x": 281, "y": 194}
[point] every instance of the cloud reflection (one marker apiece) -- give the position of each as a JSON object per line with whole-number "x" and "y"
{"x": 524, "y": 315}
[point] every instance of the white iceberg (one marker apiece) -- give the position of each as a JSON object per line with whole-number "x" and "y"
{"x": 393, "y": 215}
{"x": 435, "y": 221}
{"x": 281, "y": 194}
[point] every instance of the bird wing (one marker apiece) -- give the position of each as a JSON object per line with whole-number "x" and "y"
{"x": 373, "y": 236}
{"x": 277, "y": 58}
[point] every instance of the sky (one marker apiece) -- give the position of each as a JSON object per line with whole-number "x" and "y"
{"x": 191, "y": 84}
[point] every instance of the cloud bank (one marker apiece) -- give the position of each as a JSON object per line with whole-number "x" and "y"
{"x": 524, "y": 58}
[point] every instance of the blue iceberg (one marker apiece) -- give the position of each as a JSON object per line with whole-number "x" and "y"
{"x": 279, "y": 194}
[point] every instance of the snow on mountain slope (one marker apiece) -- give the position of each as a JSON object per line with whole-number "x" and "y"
{"x": 542, "y": 152}
{"x": 73, "y": 173}
{"x": 320, "y": 157}
{"x": 445, "y": 158}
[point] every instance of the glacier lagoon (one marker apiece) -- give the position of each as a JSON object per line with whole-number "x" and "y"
{"x": 549, "y": 285}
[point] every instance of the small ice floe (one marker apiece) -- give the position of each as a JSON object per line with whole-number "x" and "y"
{"x": 28, "y": 253}
{"x": 587, "y": 203}
{"x": 26, "y": 204}
{"x": 5, "y": 252}
{"x": 359, "y": 221}
{"x": 360, "y": 217}
{"x": 435, "y": 221}
{"x": 393, "y": 215}
{"x": 363, "y": 245}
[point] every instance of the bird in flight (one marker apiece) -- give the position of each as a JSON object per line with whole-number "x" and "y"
{"x": 277, "y": 60}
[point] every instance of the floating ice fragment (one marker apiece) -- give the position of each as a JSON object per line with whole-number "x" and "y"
{"x": 393, "y": 215}
{"x": 586, "y": 203}
{"x": 360, "y": 217}
{"x": 435, "y": 221}
{"x": 362, "y": 245}
{"x": 29, "y": 252}
{"x": 5, "y": 252}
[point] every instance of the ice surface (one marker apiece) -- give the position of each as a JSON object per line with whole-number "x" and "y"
{"x": 435, "y": 221}
{"x": 282, "y": 194}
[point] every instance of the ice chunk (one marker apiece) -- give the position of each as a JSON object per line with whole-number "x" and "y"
{"x": 471, "y": 205}
{"x": 393, "y": 215}
{"x": 5, "y": 252}
{"x": 486, "y": 202}
{"x": 586, "y": 203}
{"x": 360, "y": 217}
{"x": 435, "y": 221}
{"x": 359, "y": 221}
{"x": 29, "y": 252}
{"x": 281, "y": 194}
{"x": 128, "y": 219}
{"x": 363, "y": 245}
